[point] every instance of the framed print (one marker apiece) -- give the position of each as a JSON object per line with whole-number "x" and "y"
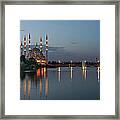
{"x": 59, "y": 59}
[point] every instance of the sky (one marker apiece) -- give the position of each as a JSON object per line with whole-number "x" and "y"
{"x": 68, "y": 40}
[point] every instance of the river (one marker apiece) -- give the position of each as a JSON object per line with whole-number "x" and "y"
{"x": 65, "y": 83}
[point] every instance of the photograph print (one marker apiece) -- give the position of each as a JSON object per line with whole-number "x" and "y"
{"x": 59, "y": 60}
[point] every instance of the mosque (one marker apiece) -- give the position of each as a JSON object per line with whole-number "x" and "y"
{"x": 37, "y": 52}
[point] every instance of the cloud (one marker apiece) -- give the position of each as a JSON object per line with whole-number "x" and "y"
{"x": 56, "y": 49}
{"x": 73, "y": 43}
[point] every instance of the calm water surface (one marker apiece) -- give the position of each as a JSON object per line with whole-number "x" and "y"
{"x": 63, "y": 83}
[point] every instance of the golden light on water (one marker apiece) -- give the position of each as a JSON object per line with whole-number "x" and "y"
{"x": 98, "y": 73}
{"x": 59, "y": 69}
{"x": 46, "y": 86}
{"x": 44, "y": 72}
{"x": 59, "y": 76}
{"x": 43, "y": 87}
{"x": 40, "y": 87}
{"x": 84, "y": 73}
{"x": 38, "y": 72}
{"x": 29, "y": 87}
{"x": 71, "y": 73}
{"x": 24, "y": 87}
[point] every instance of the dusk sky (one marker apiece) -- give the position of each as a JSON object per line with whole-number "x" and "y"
{"x": 74, "y": 40}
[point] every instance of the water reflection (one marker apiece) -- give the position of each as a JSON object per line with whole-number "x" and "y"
{"x": 29, "y": 88}
{"x": 35, "y": 79}
{"x": 38, "y": 72}
{"x": 84, "y": 73}
{"x": 98, "y": 73}
{"x": 43, "y": 76}
{"x": 46, "y": 85}
{"x": 24, "y": 88}
{"x": 58, "y": 76}
{"x": 40, "y": 87}
{"x": 37, "y": 84}
{"x": 71, "y": 72}
{"x": 45, "y": 72}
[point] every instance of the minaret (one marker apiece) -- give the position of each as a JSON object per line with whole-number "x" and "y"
{"x": 21, "y": 48}
{"x": 29, "y": 48}
{"x": 40, "y": 44}
{"x": 29, "y": 38}
{"x": 35, "y": 41}
{"x": 25, "y": 46}
{"x": 46, "y": 49}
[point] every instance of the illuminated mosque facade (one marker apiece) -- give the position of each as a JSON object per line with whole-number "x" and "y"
{"x": 37, "y": 52}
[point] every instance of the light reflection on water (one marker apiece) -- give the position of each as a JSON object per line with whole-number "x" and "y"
{"x": 68, "y": 83}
